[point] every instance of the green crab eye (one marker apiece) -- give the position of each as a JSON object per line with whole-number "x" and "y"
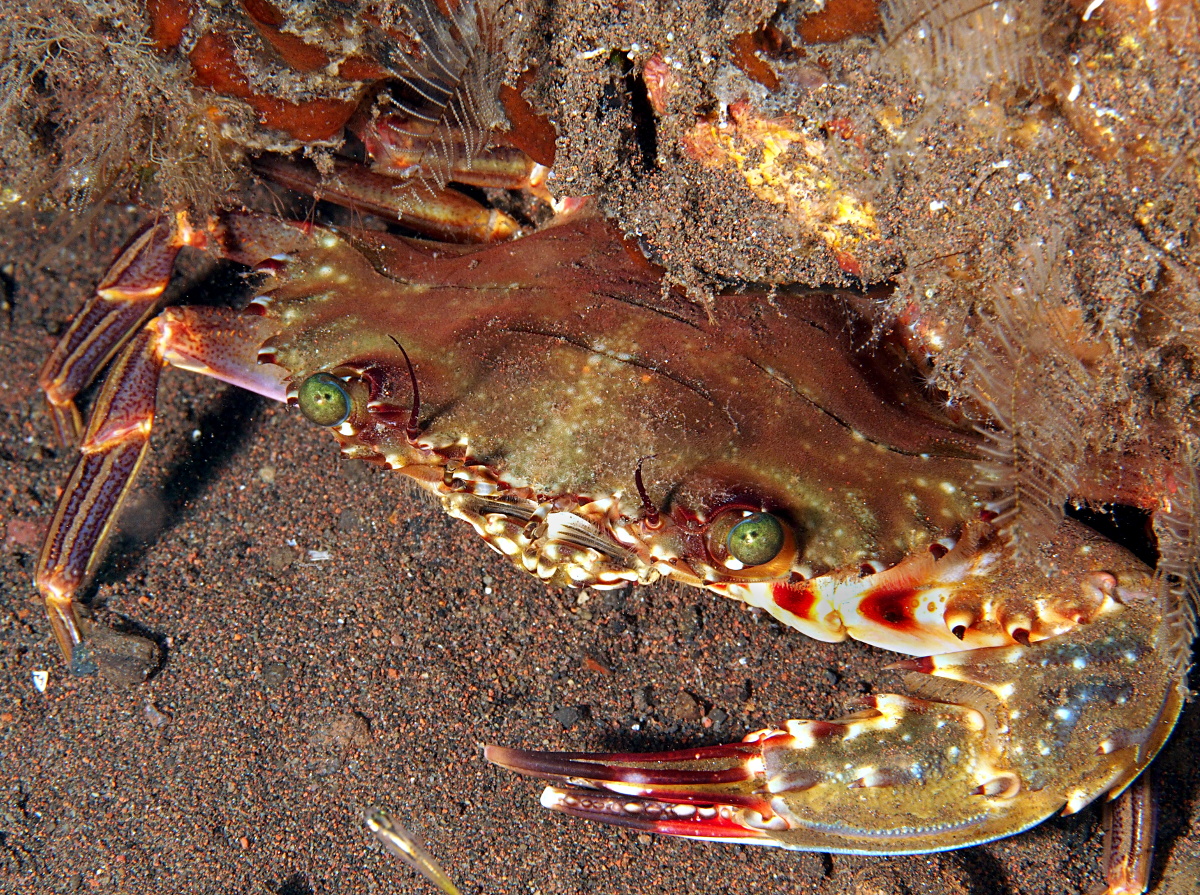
{"x": 756, "y": 540}
{"x": 324, "y": 400}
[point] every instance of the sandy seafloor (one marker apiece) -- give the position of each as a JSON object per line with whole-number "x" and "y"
{"x": 297, "y": 692}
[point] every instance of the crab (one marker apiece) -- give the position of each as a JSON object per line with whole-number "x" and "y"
{"x": 484, "y": 374}
{"x": 600, "y": 429}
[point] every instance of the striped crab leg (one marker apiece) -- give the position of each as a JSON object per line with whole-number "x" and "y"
{"x": 992, "y": 741}
{"x": 217, "y": 342}
{"x": 125, "y": 299}
{"x": 399, "y": 145}
{"x": 442, "y": 213}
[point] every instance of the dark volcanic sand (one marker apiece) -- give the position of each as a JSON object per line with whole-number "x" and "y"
{"x": 296, "y": 693}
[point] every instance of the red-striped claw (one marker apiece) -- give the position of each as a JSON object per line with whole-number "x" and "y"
{"x": 690, "y": 792}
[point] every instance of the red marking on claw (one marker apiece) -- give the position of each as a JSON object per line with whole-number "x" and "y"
{"x": 892, "y": 608}
{"x": 797, "y": 597}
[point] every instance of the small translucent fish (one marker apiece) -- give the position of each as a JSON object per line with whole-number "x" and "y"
{"x": 408, "y": 848}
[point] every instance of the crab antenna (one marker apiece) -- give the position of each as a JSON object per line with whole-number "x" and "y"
{"x": 649, "y": 510}
{"x": 412, "y": 430}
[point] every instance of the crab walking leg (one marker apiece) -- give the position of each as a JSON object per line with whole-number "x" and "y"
{"x": 1129, "y": 827}
{"x": 125, "y": 298}
{"x": 399, "y": 145}
{"x": 215, "y": 341}
{"x": 992, "y": 742}
{"x": 439, "y": 213}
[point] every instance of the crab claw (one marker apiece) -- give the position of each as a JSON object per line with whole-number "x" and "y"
{"x": 872, "y": 782}
{"x": 978, "y": 751}
{"x": 705, "y": 793}
{"x": 988, "y": 742}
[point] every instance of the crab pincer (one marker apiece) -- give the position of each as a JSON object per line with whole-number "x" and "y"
{"x": 992, "y": 741}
